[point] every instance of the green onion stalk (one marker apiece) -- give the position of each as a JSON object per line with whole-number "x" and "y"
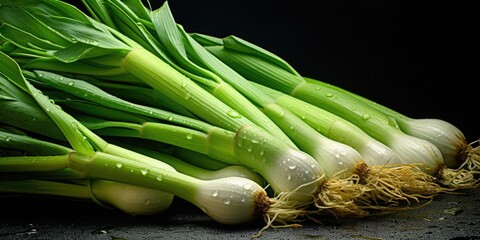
{"x": 258, "y": 65}
{"x": 230, "y": 170}
{"x": 53, "y": 35}
{"x": 230, "y": 200}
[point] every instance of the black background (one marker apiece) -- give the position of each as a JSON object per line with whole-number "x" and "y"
{"x": 412, "y": 56}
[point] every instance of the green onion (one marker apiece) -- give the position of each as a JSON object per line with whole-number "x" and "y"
{"x": 266, "y": 70}
{"x": 195, "y": 171}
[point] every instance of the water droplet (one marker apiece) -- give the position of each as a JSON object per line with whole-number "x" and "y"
{"x": 262, "y": 152}
{"x": 188, "y": 95}
{"x": 247, "y": 186}
{"x": 147, "y": 202}
{"x": 7, "y": 139}
{"x": 215, "y": 193}
{"x": 340, "y": 163}
{"x": 170, "y": 118}
{"x": 233, "y": 114}
{"x": 289, "y": 177}
{"x": 159, "y": 178}
{"x": 292, "y": 127}
{"x": 392, "y": 122}
{"x": 150, "y": 112}
{"x": 317, "y": 88}
{"x": 99, "y": 231}
{"x": 328, "y": 95}
{"x": 366, "y": 116}
{"x": 144, "y": 172}
{"x": 71, "y": 83}
{"x": 292, "y": 167}
{"x": 184, "y": 84}
{"x": 119, "y": 165}
{"x": 189, "y": 136}
{"x": 227, "y": 201}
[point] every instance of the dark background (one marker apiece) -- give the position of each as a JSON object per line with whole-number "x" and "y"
{"x": 412, "y": 56}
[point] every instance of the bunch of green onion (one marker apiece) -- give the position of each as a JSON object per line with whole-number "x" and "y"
{"x": 437, "y": 145}
{"x": 233, "y": 128}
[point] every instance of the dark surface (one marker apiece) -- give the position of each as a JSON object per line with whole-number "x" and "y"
{"x": 447, "y": 217}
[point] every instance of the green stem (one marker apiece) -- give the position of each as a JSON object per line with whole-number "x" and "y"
{"x": 164, "y": 78}
{"x": 45, "y": 187}
{"x": 34, "y": 163}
